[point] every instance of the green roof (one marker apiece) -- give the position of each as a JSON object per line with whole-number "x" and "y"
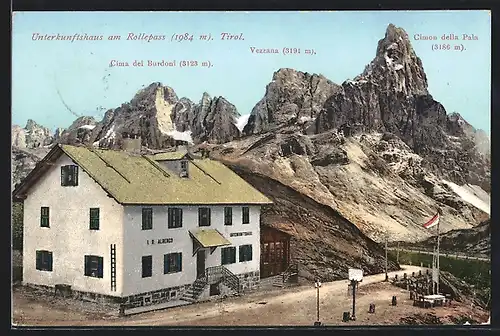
{"x": 209, "y": 238}
{"x": 135, "y": 179}
{"x": 166, "y": 156}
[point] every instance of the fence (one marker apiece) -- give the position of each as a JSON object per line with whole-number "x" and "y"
{"x": 456, "y": 255}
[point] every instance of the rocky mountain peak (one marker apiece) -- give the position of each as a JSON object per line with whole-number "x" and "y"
{"x": 291, "y": 96}
{"x": 32, "y": 136}
{"x": 396, "y": 64}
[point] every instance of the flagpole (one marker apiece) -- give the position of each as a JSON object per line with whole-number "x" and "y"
{"x": 433, "y": 269}
{"x": 437, "y": 261}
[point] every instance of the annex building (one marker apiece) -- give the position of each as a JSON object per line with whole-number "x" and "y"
{"x": 139, "y": 229}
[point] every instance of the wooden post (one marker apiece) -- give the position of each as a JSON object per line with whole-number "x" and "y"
{"x": 437, "y": 261}
{"x": 397, "y": 254}
{"x": 354, "y": 282}
{"x": 386, "y": 238}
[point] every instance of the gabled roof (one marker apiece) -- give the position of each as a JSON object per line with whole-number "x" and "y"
{"x": 133, "y": 179}
{"x": 169, "y": 156}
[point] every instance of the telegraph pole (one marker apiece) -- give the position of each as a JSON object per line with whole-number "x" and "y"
{"x": 397, "y": 254}
{"x": 437, "y": 260}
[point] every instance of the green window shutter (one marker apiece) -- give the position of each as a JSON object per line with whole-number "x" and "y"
{"x": 87, "y": 265}
{"x": 180, "y": 217}
{"x": 75, "y": 175}
{"x": 224, "y": 255}
{"x": 249, "y": 252}
{"x": 179, "y": 261}
{"x": 147, "y": 218}
{"x": 94, "y": 218}
{"x": 38, "y": 260}
{"x": 64, "y": 175}
{"x": 49, "y": 255}
{"x": 100, "y": 267}
{"x": 242, "y": 253}
{"x": 44, "y": 216}
{"x": 166, "y": 264}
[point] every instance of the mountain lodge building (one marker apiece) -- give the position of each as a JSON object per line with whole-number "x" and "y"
{"x": 142, "y": 229}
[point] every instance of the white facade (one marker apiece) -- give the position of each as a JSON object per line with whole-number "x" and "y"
{"x": 136, "y": 244}
{"x": 69, "y": 238}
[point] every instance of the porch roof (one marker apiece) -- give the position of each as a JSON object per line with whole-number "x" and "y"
{"x": 209, "y": 238}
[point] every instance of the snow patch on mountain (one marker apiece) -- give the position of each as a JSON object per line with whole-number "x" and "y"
{"x": 469, "y": 195}
{"x": 242, "y": 121}
{"x": 182, "y": 136}
{"x": 88, "y": 127}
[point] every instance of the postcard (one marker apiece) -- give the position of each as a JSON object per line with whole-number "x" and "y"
{"x": 308, "y": 168}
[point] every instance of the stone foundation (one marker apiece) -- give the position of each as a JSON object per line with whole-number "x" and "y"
{"x": 154, "y": 297}
{"x": 132, "y": 301}
{"x": 249, "y": 281}
{"x": 79, "y": 295}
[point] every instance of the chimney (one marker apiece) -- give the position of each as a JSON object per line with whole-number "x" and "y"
{"x": 131, "y": 144}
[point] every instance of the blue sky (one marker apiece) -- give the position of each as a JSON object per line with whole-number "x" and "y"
{"x": 344, "y": 43}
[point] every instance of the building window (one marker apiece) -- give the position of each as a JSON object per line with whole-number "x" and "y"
{"x": 69, "y": 176}
{"x": 94, "y": 218}
{"x": 174, "y": 218}
{"x": 93, "y": 266}
{"x": 204, "y": 216}
{"x": 147, "y": 218}
{"x": 172, "y": 263}
{"x": 147, "y": 266}
{"x": 228, "y": 216}
{"x": 245, "y": 253}
{"x": 184, "y": 169}
{"x": 265, "y": 253}
{"x": 44, "y": 261}
{"x": 245, "y": 211}
{"x": 228, "y": 255}
{"x": 44, "y": 216}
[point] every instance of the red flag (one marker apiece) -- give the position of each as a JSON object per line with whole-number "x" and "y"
{"x": 432, "y": 222}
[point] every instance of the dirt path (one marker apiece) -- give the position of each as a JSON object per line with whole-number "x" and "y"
{"x": 291, "y": 306}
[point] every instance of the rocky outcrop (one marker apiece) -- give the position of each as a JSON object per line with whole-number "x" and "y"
{"x": 32, "y": 136}
{"x": 158, "y": 117}
{"x": 212, "y": 120}
{"x": 292, "y": 96}
{"x": 18, "y": 137}
{"x": 391, "y": 96}
{"x": 324, "y": 242}
{"x": 23, "y": 160}
{"x": 79, "y": 132}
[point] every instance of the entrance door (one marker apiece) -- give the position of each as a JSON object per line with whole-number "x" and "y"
{"x": 200, "y": 263}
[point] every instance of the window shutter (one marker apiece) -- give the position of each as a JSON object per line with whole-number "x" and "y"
{"x": 179, "y": 262}
{"x": 87, "y": 265}
{"x": 75, "y": 175}
{"x": 223, "y": 256}
{"x": 242, "y": 253}
{"x": 199, "y": 216}
{"x": 38, "y": 259}
{"x": 166, "y": 261}
{"x": 49, "y": 265}
{"x": 170, "y": 219}
{"x": 100, "y": 267}
{"x": 63, "y": 175}
{"x": 180, "y": 217}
